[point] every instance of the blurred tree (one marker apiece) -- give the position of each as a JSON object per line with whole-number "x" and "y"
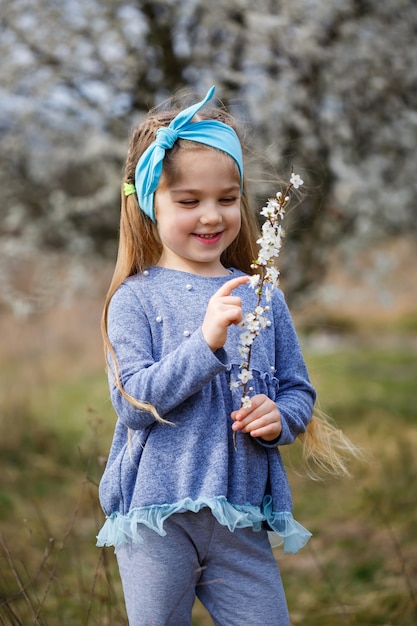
{"x": 329, "y": 86}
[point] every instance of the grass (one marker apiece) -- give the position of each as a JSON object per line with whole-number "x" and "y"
{"x": 55, "y": 429}
{"x": 376, "y": 380}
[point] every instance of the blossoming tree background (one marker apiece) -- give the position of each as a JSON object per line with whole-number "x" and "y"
{"x": 329, "y": 87}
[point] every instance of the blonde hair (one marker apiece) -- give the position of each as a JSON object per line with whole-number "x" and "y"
{"x": 139, "y": 247}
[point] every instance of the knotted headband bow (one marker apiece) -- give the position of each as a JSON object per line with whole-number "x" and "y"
{"x": 209, "y": 132}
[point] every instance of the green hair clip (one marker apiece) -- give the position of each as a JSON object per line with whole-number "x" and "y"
{"x": 129, "y": 189}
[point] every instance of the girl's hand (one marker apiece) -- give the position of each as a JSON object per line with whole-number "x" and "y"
{"x": 223, "y": 310}
{"x": 261, "y": 419}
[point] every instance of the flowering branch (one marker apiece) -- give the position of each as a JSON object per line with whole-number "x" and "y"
{"x": 270, "y": 245}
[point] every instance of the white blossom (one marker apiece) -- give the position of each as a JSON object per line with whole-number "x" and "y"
{"x": 268, "y": 211}
{"x": 266, "y": 253}
{"x": 263, "y": 322}
{"x": 253, "y": 325}
{"x": 296, "y": 181}
{"x": 246, "y": 338}
{"x": 234, "y": 385}
{"x": 246, "y": 402}
{"x": 254, "y": 280}
{"x": 272, "y": 276}
{"x": 243, "y": 350}
{"x": 245, "y": 376}
{"x": 249, "y": 317}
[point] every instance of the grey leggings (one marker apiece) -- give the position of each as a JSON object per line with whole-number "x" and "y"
{"x": 235, "y": 575}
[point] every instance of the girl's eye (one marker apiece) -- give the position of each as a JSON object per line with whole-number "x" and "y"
{"x": 188, "y": 203}
{"x": 228, "y": 200}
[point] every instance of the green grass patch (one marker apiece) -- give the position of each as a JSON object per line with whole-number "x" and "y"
{"x": 353, "y": 382}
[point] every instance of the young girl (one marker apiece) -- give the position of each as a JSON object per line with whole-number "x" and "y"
{"x": 187, "y": 511}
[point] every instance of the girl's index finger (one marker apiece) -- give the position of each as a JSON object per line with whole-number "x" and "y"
{"x": 227, "y": 288}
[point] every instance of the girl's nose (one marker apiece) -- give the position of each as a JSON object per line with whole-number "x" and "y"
{"x": 211, "y": 214}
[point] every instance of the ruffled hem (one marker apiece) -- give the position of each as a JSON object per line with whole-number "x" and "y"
{"x": 284, "y": 529}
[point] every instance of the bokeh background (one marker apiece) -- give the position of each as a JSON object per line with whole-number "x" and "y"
{"x": 328, "y": 87}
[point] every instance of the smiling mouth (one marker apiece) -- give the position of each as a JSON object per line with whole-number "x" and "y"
{"x": 208, "y": 235}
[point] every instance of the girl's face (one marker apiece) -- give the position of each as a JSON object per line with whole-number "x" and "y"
{"x": 198, "y": 214}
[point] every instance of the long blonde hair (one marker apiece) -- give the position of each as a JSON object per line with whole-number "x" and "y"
{"x": 324, "y": 446}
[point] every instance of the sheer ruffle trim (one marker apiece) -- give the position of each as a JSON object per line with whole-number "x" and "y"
{"x": 286, "y": 530}
{"x": 119, "y": 529}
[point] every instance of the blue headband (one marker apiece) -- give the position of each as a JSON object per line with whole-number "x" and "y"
{"x": 209, "y": 132}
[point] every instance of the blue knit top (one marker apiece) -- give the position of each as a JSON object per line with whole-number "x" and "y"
{"x": 156, "y": 469}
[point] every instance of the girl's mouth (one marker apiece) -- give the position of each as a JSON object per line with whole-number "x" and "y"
{"x": 208, "y": 237}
